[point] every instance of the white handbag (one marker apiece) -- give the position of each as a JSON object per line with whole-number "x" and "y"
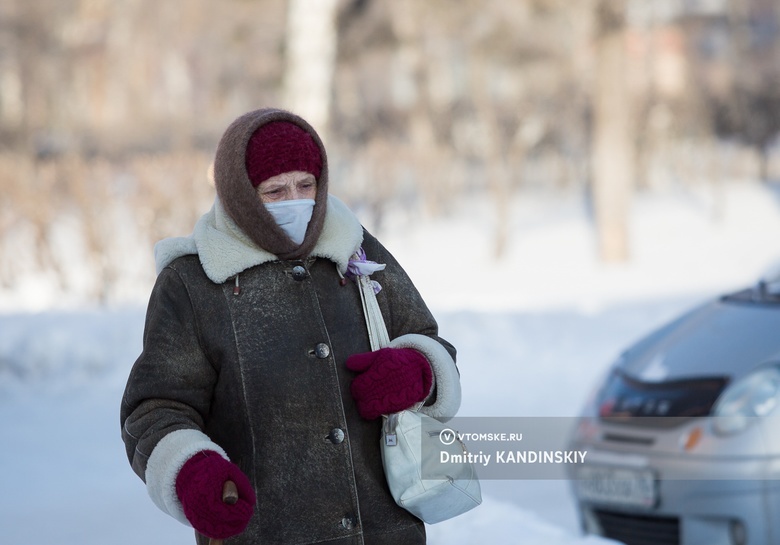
{"x": 412, "y": 448}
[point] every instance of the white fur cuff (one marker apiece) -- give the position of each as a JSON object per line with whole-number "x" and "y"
{"x": 164, "y": 464}
{"x": 446, "y": 377}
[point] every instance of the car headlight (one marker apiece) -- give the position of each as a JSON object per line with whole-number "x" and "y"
{"x": 754, "y": 395}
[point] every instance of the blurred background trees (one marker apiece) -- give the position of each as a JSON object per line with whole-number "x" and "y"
{"x": 110, "y": 109}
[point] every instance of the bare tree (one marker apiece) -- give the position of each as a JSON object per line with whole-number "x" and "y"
{"x": 613, "y": 133}
{"x": 310, "y": 59}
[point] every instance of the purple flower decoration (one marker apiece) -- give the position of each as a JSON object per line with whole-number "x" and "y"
{"x": 360, "y": 266}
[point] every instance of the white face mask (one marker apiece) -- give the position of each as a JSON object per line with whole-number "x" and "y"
{"x": 292, "y": 216}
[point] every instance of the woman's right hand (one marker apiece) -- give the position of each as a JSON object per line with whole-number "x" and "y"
{"x": 199, "y": 486}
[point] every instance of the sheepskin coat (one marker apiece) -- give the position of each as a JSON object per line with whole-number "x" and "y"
{"x": 244, "y": 354}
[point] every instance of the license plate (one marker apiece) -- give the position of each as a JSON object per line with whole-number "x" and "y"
{"x": 624, "y": 486}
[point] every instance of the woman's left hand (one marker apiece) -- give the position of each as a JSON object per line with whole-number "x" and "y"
{"x": 390, "y": 380}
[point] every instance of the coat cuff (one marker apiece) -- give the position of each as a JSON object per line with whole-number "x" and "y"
{"x": 167, "y": 458}
{"x": 445, "y": 374}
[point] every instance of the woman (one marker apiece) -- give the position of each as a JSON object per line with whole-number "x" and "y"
{"x": 256, "y": 366}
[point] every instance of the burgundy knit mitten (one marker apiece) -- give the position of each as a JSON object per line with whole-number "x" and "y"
{"x": 390, "y": 380}
{"x": 199, "y": 487}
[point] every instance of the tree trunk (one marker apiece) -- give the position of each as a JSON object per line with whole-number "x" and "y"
{"x": 613, "y": 138}
{"x": 310, "y": 60}
{"x": 764, "y": 152}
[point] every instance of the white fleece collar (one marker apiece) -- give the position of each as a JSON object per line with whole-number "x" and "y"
{"x": 224, "y": 250}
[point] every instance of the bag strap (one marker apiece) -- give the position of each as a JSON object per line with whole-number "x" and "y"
{"x": 377, "y": 330}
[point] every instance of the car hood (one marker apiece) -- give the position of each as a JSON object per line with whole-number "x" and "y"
{"x": 723, "y": 338}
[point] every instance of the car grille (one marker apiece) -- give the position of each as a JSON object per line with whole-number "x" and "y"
{"x": 639, "y": 529}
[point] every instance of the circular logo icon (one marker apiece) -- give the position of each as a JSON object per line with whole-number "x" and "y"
{"x": 447, "y": 436}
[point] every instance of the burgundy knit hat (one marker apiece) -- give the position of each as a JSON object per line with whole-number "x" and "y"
{"x": 279, "y": 147}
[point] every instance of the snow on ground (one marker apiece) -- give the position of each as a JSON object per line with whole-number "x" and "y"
{"x": 535, "y": 330}
{"x": 695, "y": 241}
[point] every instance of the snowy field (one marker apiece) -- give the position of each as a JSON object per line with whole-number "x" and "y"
{"x": 535, "y": 330}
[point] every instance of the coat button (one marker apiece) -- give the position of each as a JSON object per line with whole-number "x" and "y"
{"x": 348, "y": 522}
{"x": 299, "y": 273}
{"x": 322, "y": 351}
{"x": 336, "y": 436}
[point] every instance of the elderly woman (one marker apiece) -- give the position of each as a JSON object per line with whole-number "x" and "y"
{"x": 256, "y": 365}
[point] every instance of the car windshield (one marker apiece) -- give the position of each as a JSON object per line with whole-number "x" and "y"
{"x": 766, "y": 290}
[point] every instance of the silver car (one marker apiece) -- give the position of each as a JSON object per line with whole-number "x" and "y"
{"x": 683, "y": 435}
